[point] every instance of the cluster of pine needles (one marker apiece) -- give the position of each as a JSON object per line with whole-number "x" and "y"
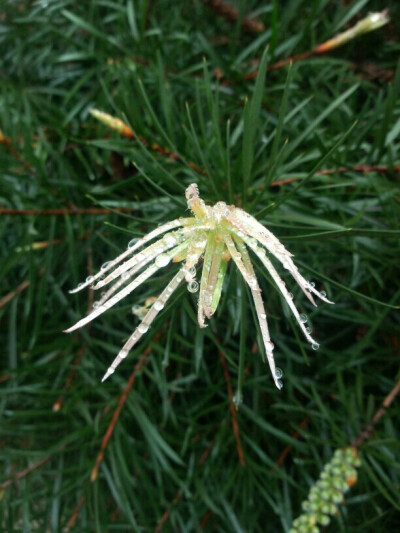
{"x": 290, "y": 111}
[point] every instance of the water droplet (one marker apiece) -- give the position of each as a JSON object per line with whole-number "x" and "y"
{"x": 286, "y": 265}
{"x": 125, "y": 275}
{"x": 315, "y": 346}
{"x": 271, "y": 345}
{"x": 303, "y": 318}
{"x": 279, "y": 384}
{"x": 260, "y": 252}
{"x": 105, "y": 265}
{"x": 237, "y": 399}
{"x": 162, "y": 260}
{"x": 253, "y": 283}
{"x": 193, "y": 286}
{"x": 140, "y": 257}
{"x": 132, "y": 242}
{"x": 80, "y": 285}
{"x": 263, "y": 316}
{"x": 142, "y": 328}
{"x": 169, "y": 240}
{"x": 312, "y": 284}
{"x": 308, "y": 329}
{"x": 158, "y": 306}
{"x": 89, "y": 279}
{"x": 251, "y": 242}
{"x": 290, "y": 295}
{"x": 192, "y": 271}
{"x": 135, "y": 308}
{"x": 278, "y": 372}
{"x": 123, "y": 354}
{"x": 95, "y": 305}
{"x": 323, "y": 294}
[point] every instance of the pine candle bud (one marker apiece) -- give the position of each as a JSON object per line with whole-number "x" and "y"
{"x": 370, "y": 23}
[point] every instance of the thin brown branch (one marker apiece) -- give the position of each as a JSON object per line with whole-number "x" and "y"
{"x": 235, "y": 424}
{"x": 370, "y": 23}
{"x": 65, "y": 211}
{"x": 8, "y": 297}
{"x": 124, "y": 130}
{"x": 368, "y": 430}
{"x": 6, "y": 142}
{"x": 122, "y": 400}
{"x": 24, "y": 472}
{"x": 179, "y": 494}
{"x": 382, "y": 169}
{"x": 165, "y": 516}
{"x": 205, "y": 519}
{"x": 281, "y": 459}
{"x": 21, "y": 287}
{"x": 70, "y": 378}
{"x": 72, "y": 374}
{"x": 231, "y": 15}
{"x": 75, "y": 514}
{"x": 28, "y": 470}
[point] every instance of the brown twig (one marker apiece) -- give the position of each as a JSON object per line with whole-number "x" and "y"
{"x": 28, "y": 470}
{"x": 70, "y": 378}
{"x": 231, "y": 15}
{"x": 235, "y": 424}
{"x": 205, "y": 519}
{"x": 75, "y": 514}
{"x": 367, "y": 431}
{"x": 21, "y": 287}
{"x": 382, "y": 169}
{"x": 65, "y": 211}
{"x": 5, "y": 141}
{"x": 124, "y": 130}
{"x": 111, "y": 427}
{"x": 203, "y": 457}
{"x": 372, "y": 22}
{"x": 24, "y": 472}
{"x": 281, "y": 459}
{"x": 8, "y": 297}
{"x": 122, "y": 400}
{"x": 72, "y": 374}
{"x": 165, "y": 516}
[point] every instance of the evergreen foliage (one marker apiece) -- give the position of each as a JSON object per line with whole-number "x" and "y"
{"x": 191, "y": 433}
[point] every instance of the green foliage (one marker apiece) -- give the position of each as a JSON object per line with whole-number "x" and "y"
{"x": 174, "y": 448}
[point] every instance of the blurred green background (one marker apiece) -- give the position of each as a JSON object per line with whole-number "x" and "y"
{"x": 313, "y": 153}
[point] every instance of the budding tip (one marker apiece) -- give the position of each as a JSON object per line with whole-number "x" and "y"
{"x": 73, "y": 291}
